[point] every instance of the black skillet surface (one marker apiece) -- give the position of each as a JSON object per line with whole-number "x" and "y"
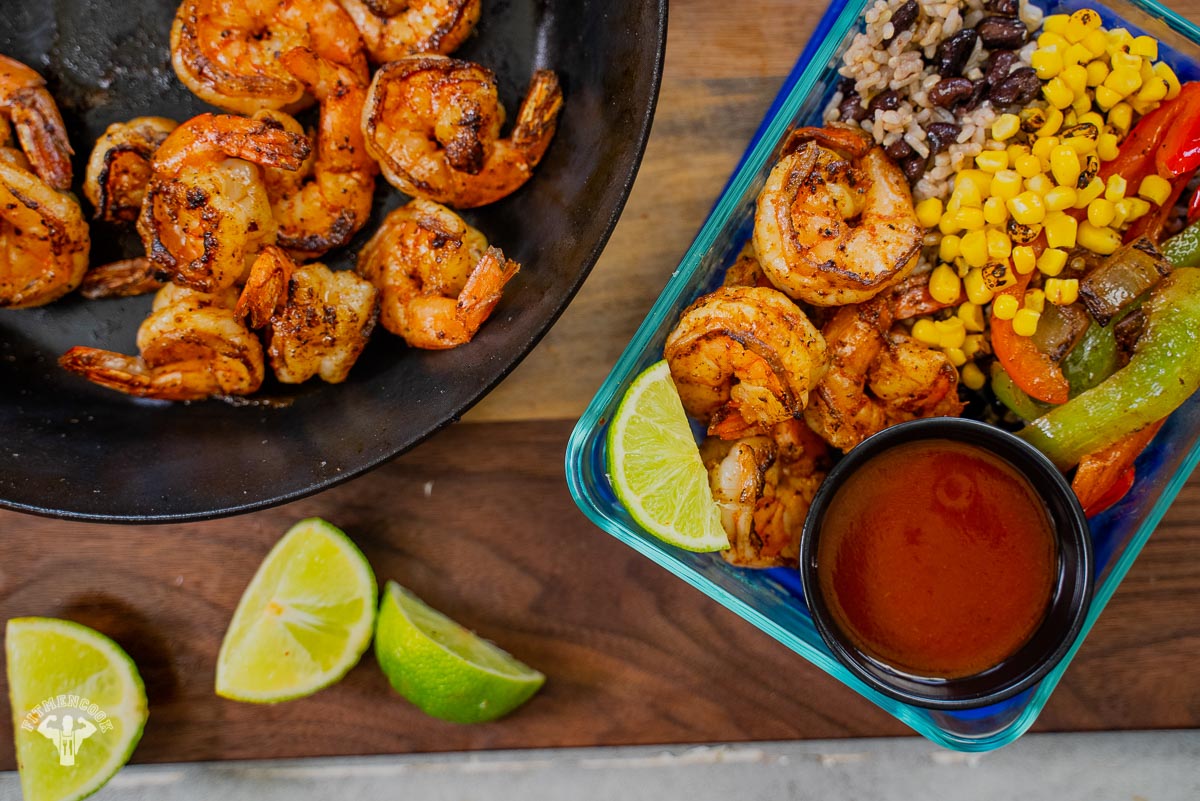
{"x": 71, "y": 449}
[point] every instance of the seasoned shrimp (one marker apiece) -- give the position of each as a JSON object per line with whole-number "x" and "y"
{"x": 743, "y": 359}
{"x": 228, "y": 51}
{"x": 764, "y": 486}
{"x": 393, "y": 29}
{"x": 26, "y": 103}
{"x": 192, "y": 347}
{"x": 324, "y": 204}
{"x": 121, "y": 279}
{"x": 119, "y": 167}
{"x": 835, "y": 222}
{"x": 44, "y": 240}
{"x": 439, "y": 281}
{"x": 319, "y": 320}
{"x": 877, "y": 378}
{"x": 206, "y": 210}
{"x": 433, "y": 123}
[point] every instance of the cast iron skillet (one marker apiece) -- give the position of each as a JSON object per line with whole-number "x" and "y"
{"x": 70, "y": 449}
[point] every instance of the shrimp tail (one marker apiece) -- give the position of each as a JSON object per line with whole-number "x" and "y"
{"x": 266, "y": 286}
{"x": 852, "y": 141}
{"x": 43, "y": 136}
{"x": 538, "y": 116}
{"x": 484, "y": 287}
{"x": 121, "y": 279}
{"x": 261, "y": 141}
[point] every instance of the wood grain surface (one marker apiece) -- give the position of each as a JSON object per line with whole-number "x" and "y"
{"x": 478, "y": 521}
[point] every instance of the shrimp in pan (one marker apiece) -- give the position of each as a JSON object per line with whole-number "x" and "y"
{"x": 433, "y": 124}
{"x": 27, "y": 105}
{"x": 393, "y": 29}
{"x": 206, "y": 211}
{"x": 835, "y": 222}
{"x": 317, "y": 321}
{"x": 192, "y": 347}
{"x": 324, "y": 204}
{"x": 228, "y": 51}
{"x": 744, "y": 359}
{"x": 119, "y": 167}
{"x": 439, "y": 280}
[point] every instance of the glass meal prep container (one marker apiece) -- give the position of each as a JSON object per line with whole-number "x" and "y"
{"x": 773, "y": 599}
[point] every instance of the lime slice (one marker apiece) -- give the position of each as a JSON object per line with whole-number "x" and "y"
{"x": 78, "y": 707}
{"x": 446, "y": 670}
{"x": 655, "y": 466}
{"x": 303, "y": 622}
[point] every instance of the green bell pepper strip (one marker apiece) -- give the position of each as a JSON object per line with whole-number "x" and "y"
{"x": 1015, "y": 399}
{"x": 1183, "y": 249}
{"x": 1092, "y": 360}
{"x": 1163, "y": 373}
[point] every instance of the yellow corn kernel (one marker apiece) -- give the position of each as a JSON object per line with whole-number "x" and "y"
{"x": 1061, "y": 230}
{"x": 969, "y": 219}
{"x": 993, "y": 160}
{"x": 1046, "y": 63}
{"x": 974, "y": 342}
{"x": 1028, "y": 166}
{"x": 997, "y": 275}
{"x": 1107, "y": 146}
{"x": 1082, "y": 105}
{"x": 955, "y": 355}
{"x": 1039, "y": 184}
{"x": 1146, "y": 70}
{"x": 1075, "y": 30}
{"x": 1146, "y": 47}
{"x": 1097, "y": 71}
{"x": 1094, "y": 119}
{"x": 1131, "y": 208}
{"x": 1043, "y": 145}
{"x": 926, "y": 332}
{"x": 1027, "y": 208}
{"x": 973, "y": 247}
{"x": 944, "y": 284}
{"x": 1058, "y": 94}
{"x": 1086, "y": 17}
{"x": 1005, "y": 127}
{"x": 1070, "y": 114}
{"x": 1059, "y": 198}
{"x": 1122, "y": 59}
{"x": 1005, "y": 307}
{"x": 948, "y": 247}
{"x": 1098, "y": 240}
{"x": 1054, "y": 121}
{"x": 1025, "y": 322}
{"x": 971, "y": 316}
{"x": 999, "y": 246}
{"x": 947, "y": 225}
{"x": 1075, "y": 77}
{"x": 1023, "y": 259}
{"x": 1164, "y": 71}
{"x": 1155, "y": 189}
{"x": 951, "y": 333}
{"x": 1056, "y": 23}
{"x": 1093, "y": 190}
{"x": 1082, "y": 145}
{"x": 994, "y": 211}
{"x": 1062, "y": 291}
{"x": 1007, "y": 184}
{"x": 1123, "y": 81}
{"x": 1153, "y": 90}
{"x": 966, "y": 195}
{"x": 1116, "y": 188}
{"x": 1049, "y": 40}
{"x": 972, "y": 377}
{"x": 929, "y": 212}
{"x": 1064, "y": 165}
{"x": 1052, "y": 261}
{"x": 1107, "y": 98}
{"x": 1120, "y": 116}
{"x": 1100, "y": 212}
{"x": 1014, "y": 151}
{"x": 976, "y": 181}
{"x": 1096, "y": 42}
{"x": 977, "y": 290}
{"x": 1035, "y": 299}
{"x": 1120, "y": 214}
{"x": 1119, "y": 39}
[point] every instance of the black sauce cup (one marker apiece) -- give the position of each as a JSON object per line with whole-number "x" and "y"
{"x": 1071, "y": 593}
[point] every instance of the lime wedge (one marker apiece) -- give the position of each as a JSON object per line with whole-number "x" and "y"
{"x": 78, "y": 707}
{"x": 303, "y": 622}
{"x": 446, "y": 670}
{"x": 655, "y": 466}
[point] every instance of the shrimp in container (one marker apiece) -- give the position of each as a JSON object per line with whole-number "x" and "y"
{"x": 394, "y": 29}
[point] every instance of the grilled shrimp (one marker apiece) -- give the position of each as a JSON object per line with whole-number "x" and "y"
{"x": 439, "y": 281}
{"x": 764, "y": 486}
{"x": 121, "y": 279}
{"x": 433, "y": 123}
{"x": 324, "y": 204}
{"x": 743, "y": 359}
{"x": 44, "y": 240}
{"x": 393, "y": 29}
{"x": 206, "y": 209}
{"x": 119, "y": 167}
{"x": 877, "y": 378}
{"x": 192, "y": 347}
{"x": 835, "y": 222}
{"x": 228, "y": 51}
{"x": 26, "y": 103}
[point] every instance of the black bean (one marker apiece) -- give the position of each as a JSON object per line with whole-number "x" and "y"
{"x": 851, "y": 108}
{"x": 979, "y": 90}
{"x": 1006, "y": 8}
{"x": 884, "y": 101}
{"x": 998, "y": 66}
{"x": 904, "y": 17}
{"x": 1002, "y": 33}
{"x": 949, "y": 92}
{"x": 1020, "y": 87}
{"x": 941, "y": 135}
{"x": 845, "y": 86}
{"x": 913, "y": 168}
{"x": 953, "y": 52}
{"x": 898, "y": 150}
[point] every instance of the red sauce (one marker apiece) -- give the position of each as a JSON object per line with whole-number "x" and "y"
{"x": 937, "y": 558}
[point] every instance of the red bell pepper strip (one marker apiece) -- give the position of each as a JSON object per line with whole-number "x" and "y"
{"x": 1101, "y": 472}
{"x": 1136, "y": 158}
{"x": 1193, "y": 212}
{"x": 1116, "y": 492}
{"x": 1179, "y": 151}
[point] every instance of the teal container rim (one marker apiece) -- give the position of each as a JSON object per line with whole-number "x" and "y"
{"x": 806, "y": 76}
